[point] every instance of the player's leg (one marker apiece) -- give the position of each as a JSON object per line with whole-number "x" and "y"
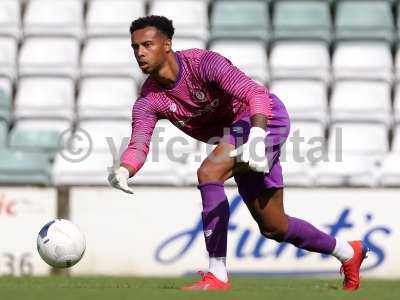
{"x": 212, "y": 174}
{"x": 268, "y": 210}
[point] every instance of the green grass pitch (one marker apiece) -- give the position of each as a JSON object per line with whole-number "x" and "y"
{"x": 118, "y": 288}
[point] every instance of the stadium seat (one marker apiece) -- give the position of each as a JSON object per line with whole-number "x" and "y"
{"x": 168, "y": 139}
{"x": 304, "y": 99}
{"x": 92, "y": 170}
{"x": 112, "y": 17}
{"x": 350, "y": 170}
{"x": 302, "y": 20}
{"x": 100, "y": 131}
{"x": 162, "y": 171}
{"x": 187, "y": 43}
{"x": 24, "y": 168}
{"x": 46, "y": 98}
{"x": 396, "y": 102}
{"x": 361, "y": 100}
{"x": 359, "y": 138}
{"x": 106, "y": 97}
{"x": 5, "y": 105}
{"x": 6, "y": 86}
{"x": 240, "y": 19}
{"x": 364, "y": 20}
{"x": 355, "y": 152}
{"x": 109, "y": 57}
{"x": 46, "y": 136}
{"x": 49, "y": 56}
{"x": 362, "y": 60}
{"x": 397, "y": 63}
{"x": 296, "y": 173}
{"x": 190, "y": 20}
{"x": 10, "y": 18}
{"x": 389, "y": 172}
{"x": 35, "y": 140}
{"x": 8, "y": 57}
{"x": 300, "y": 59}
{"x": 3, "y": 134}
{"x": 254, "y": 63}
{"x": 59, "y": 125}
{"x": 54, "y": 18}
{"x": 305, "y": 141}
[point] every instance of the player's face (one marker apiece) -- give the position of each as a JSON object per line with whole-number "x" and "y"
{"x": 151, "y": 48}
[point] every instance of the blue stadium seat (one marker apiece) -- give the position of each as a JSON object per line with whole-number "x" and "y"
{"x": 24, "y": 168}
{"x": 302, "y": 20}
{"x": 35, "y": 140}
{"x": 240, "y": 19}
{"x": 3, "y": 134}
{"x": 5, "y": 106}
{"x": 364, "y": 20}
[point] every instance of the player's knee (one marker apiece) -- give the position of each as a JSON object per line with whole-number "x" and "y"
{"x": 207, "y": 173}
{"x": 273, "y": 232}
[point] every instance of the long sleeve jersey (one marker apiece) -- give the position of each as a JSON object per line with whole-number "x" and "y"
{"x": 210, "y": 94}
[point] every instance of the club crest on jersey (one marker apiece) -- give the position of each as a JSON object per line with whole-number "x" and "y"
{"x": 199, "y": 95}
{"x": 172, "y": 107}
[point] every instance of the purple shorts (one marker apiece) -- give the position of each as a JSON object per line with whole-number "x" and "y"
{"x": 251, "y": 183}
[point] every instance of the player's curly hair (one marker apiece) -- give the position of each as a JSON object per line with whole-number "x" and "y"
{"x": 163, "y": 24}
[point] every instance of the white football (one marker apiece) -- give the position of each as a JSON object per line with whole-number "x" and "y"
{"x": 61, "y": 243}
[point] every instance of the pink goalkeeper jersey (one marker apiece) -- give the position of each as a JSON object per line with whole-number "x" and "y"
{"x": 209, "y": 95}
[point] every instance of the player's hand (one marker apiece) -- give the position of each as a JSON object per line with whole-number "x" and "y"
{"x": 119, "y": 179}
{"x": 253, "y": 152}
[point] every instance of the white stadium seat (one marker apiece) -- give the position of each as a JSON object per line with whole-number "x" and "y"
{"x": 56, "y": 18}
{"x": 6, "y": 86}
{"x": 359, "y": 138}
{"x": 298, "y": 59}
{"x": 351, "y": 170}
{"x": 104, "y": 132}
{"x": 362, "y": 60}
{"x": 93, "y": 170}
{"x": 8, "y": 57}
{"x": 10, "y": 18}
{"x": 396, "y": 139}
{"x": 109, "y": 57}
{"x": 296, "y": 172}
{"x": 361, "y": 100}
{"x": 189, "y": 17}
{"x": 102, "y": 97}
{"x": 160, "y": 172}
{"x": 390, "y": 170}
{"x": 39, "y": 124}
{"x": 170, "y": 140}
{"x": 112, "y": 17}
{"x": 397, "y": 63}
{"x": 304, "y": 99}
{"x": 305, "y": 138}
{"x": 253, "y": 63}
{"x": 49, "y": 56}
{"x": 396, "y": 103}
{"x": 354, "y": 155}
{"x": 187, "y": 43}
{"x": 46, "y": 98}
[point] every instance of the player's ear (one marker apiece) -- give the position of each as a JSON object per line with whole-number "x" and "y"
{"x": 167, "y": 45}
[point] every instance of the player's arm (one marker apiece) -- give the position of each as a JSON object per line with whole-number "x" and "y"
{"x": 144, "y": 120}
{"x": 217, "y": 69}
